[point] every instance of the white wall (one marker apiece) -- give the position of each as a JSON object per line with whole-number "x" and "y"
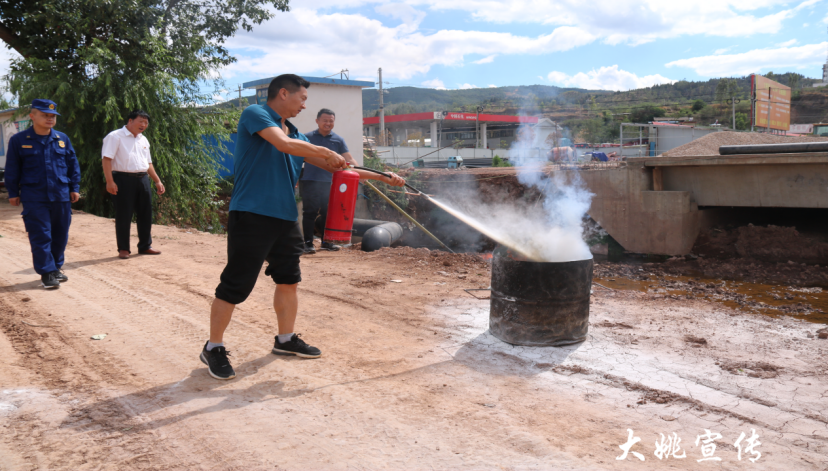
{"x": 668, "y": 138}
{"x": 346, "y": 102}
{"x": 397, "y": 156}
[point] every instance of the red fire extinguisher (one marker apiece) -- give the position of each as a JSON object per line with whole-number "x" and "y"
{"x": 341, "y": 206}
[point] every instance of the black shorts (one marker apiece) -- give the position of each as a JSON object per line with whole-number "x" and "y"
{"x": 253, "y": 239}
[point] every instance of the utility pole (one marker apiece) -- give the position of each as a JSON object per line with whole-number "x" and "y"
{"x": 240, "y": 90}
{"x": 733, "y": 100}
{"x": 477, "y": 130}
{"x": 382, "y": 111}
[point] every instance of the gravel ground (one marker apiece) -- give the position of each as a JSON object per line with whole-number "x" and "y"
{"x": 709, "y": 145}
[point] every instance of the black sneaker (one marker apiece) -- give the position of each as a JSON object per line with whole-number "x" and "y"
{"x": 217, "y": 363}
{"x": 60, "y": 276}
{"x": 331, "y": 247}
{"x": 309, "y": 249}
{"x": 48, "y": 281}
{"x": 296, "y": 347}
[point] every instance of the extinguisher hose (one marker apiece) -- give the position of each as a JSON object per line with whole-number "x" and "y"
{"x": 383, "y": 173}
{"x": 390, "y": 202}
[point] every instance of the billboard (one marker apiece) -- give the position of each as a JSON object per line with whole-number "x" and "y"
{"x": 771, "y": 103}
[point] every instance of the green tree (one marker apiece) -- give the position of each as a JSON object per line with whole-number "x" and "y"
{"x": 101, "y": 59}
{"x": 593, "y": 130}
{"x": 698, "y": 105}
{"x": 742, "y": 121}
{"x": 497, "y": 161}
{"x": 726, "y": 88}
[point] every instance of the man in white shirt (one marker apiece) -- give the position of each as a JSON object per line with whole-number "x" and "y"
{"x": 127, "y": 164}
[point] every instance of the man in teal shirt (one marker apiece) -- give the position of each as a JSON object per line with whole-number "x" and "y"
{"x": 263, "y": 222}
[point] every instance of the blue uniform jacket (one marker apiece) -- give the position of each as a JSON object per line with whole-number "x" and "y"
{"x": 38, "y": 173}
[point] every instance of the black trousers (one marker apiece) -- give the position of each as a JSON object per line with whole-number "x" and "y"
{"x": 314, "y": 203}
{"x": 134, "y": 197}
{"x": 253, "y": 239}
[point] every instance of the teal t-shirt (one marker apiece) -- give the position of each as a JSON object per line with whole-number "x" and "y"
{"x": 264, "y": 176}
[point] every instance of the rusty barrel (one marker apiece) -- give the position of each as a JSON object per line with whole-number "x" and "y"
{"x": 539, "y": 303}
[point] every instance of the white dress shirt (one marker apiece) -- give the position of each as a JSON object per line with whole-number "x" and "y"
{"x": 128, "y": 153}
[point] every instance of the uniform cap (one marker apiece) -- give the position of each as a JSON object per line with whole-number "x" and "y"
{"x": 46, "y": 106}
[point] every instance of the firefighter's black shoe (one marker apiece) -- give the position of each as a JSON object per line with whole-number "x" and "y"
{"x": 48, "y": 281}
{"x": 218, "y": 365}
{"x": 296, "y": 347}
{"x": 60, "y": 276}
{"x": 309, "y": 249}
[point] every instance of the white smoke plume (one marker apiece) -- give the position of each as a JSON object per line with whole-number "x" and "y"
{"x": 553, "y": 234}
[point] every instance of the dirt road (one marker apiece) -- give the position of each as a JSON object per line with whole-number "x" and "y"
{"x": 409, "y": 378}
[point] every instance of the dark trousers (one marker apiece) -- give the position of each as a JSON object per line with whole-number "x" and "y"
{"x": 48, "y": 226}
{"x": 314, "y": 203}
{"x": 253, "y": 239}
{"x": 134, "y": 197}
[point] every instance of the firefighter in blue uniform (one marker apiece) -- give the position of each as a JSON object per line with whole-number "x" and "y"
{"x": 42, "y": 174}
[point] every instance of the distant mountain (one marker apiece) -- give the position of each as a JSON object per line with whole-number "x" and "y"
{"x": 552, "y": 100}
{"x": 400, "y": 100}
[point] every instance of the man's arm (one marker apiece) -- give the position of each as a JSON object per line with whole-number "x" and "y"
{"x": 349, "y": 158}
{"x": 110, "y": 148}
{"x": 73, "y": 173}
{"x": 395, "y": 179}
{"x": 13, "y": 173}
{"x": 111, "y": 186}
{"x": 313, "y": 154}
{"x": 159, "y": 187}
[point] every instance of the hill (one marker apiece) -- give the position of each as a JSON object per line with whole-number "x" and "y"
{"x": 543, "y": 99}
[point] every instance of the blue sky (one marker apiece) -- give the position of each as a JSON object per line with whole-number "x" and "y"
{"x": 603, "y": 44}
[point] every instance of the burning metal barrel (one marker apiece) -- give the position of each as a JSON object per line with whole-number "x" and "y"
{"x": 539, "y": 303}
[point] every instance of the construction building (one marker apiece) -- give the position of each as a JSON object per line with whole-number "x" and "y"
{"x": 440, "y": 129}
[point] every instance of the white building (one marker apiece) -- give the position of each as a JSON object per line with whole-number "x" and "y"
{"x": 343, "y": 97}
{"x": 547, "y": 134}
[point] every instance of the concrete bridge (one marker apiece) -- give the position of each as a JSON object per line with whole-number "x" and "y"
{"x": 659, "y": 205}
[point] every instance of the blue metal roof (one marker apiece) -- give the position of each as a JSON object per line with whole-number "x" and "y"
{"x": 313, "y": 80}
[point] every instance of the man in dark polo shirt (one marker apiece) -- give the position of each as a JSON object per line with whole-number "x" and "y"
{"x": 315, "y": 183}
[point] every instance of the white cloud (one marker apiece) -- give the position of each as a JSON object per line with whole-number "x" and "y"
{"x": 806, "y": 4}
{"x": 805, "y": 25}
{"x": 607, "y": 78}
{"x": 724, "y": 50}
{"x": 403, "y": 12}
{"x": 788, "y": 43}
{"x": 492, "y": 86}
{"x": 435, "y": 84}
{"x": 635, "y": 21}
{"x": 755, "y": 60}
{"x": 362, "y": 44}
{"x": 614, "y": 21}
{"x": 468, "y": 86}
{"x": 486, "y": 59}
